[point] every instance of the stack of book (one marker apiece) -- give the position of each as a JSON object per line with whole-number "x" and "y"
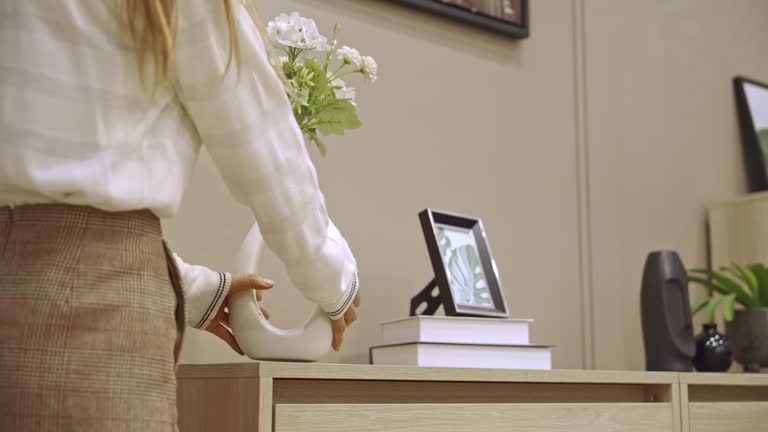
{"x": 440, "y": 341}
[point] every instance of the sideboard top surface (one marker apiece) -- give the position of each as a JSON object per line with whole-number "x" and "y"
{"x": 281, "y": 370}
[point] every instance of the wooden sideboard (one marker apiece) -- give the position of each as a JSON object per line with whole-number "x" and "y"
{"x": 309, "y": 397}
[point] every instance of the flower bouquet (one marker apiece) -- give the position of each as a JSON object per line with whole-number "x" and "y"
{"x": 322, "y": 102}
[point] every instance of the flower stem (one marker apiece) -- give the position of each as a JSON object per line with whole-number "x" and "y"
{"x": 333, "y": 77}
{"x": 293, "y": 54}
{"x": 331, "y": 49}
{"x": 337, "y": 70}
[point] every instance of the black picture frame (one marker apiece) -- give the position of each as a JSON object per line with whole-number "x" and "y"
{"x": 519, "y": 30}
{"x": 431, "y": 220}
{"x": 754, "y": 141}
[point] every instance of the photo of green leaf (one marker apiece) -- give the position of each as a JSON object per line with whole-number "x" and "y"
{"x": 462, "y": 262}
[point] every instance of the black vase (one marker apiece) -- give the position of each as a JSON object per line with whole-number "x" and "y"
{"x": 713, "y": 352}
{"x": 666, "y": 314}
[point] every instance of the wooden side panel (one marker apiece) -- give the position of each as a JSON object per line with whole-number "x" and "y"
{"x": 218, "y": 404}
{"x": 266, "y": 405}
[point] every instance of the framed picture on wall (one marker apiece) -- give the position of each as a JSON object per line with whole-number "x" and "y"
{"x": 752, "y": 106}
{"x": 465, "y": 272}
{"x": 509, "y": 17}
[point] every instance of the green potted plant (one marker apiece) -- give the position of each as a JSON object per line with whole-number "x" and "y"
{"x": 747, "y": 326}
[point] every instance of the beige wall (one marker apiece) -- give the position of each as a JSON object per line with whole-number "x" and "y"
{"x": 596, "y": 140}
{"x": 663, "y": 140}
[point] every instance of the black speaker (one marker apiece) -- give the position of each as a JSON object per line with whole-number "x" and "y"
{"x": 666, "y": 314}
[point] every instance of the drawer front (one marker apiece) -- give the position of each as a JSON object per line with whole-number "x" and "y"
{"x": 728, "y": 416}
{"x": 554, "y": 417}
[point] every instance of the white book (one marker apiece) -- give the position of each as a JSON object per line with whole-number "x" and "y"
{"x": 470, "y": 330}
{"x": 464, "y": 356}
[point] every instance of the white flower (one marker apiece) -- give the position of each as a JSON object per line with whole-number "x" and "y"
{"x": 296, "y": 31}
{"x": 343, "y": 92}
{"x": 370, "y": 69}
{"x": 350, "y": 56}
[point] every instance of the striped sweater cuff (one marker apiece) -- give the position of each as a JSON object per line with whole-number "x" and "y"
{"x": 341, "y": 307}
{"x": 216, "y": 299}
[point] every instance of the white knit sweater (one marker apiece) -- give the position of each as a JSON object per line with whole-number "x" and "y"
{"x": 78, "y": 126}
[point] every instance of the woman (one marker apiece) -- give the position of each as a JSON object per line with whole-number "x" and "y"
{"x": 103, "y": 108}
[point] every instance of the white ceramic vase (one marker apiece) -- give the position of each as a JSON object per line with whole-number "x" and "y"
{"x": 258, "y": 338}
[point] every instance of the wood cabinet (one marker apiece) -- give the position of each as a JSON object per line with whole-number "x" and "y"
{"x": 295, "y": 397}
{"x": 300, "y": 397}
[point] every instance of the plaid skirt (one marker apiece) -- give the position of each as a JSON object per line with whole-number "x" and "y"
{"x": 90, "y": 321}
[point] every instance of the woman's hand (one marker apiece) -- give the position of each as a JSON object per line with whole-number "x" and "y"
{"x": 220, "y": 325}
{"x": 340, "y": 325}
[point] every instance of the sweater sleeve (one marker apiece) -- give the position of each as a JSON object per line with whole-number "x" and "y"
{"x": 204, "y": 292}
{"x": 245, "y": 121}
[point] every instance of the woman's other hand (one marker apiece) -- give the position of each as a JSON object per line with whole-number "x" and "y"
{"x": 340, "y": 325}
{"x": 220, "y": 325}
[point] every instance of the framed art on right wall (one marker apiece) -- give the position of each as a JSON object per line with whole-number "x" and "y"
{"x": 752, "y": 105}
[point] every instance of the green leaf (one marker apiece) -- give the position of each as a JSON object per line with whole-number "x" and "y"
{"x": 337, "y": 118}
{"x": 734, "y": 270}
{"x": 699, "y": 305}
{"x": 320, "y": 89}
{"x": 320, "y": 81}
{"x": 321, "y": 147}
{"x": 751, "y": 280}
{"x": 745, "y": 275}
{"x": 311, "y": 64}
{"x": 728, "y": 307}
{"x": 699, "y": 270}
{"x": 729, "y": 285}
{"x": 741, "y": 295}
{"x": 761, "y": 274}
{"x": 708, "y": 284}
{"x": 311, "y": 135}
{"x": 738, "y": 276}
{"x": 711, "y": 307}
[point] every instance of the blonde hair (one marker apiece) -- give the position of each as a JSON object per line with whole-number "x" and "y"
{"x": 152, "y": 24}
